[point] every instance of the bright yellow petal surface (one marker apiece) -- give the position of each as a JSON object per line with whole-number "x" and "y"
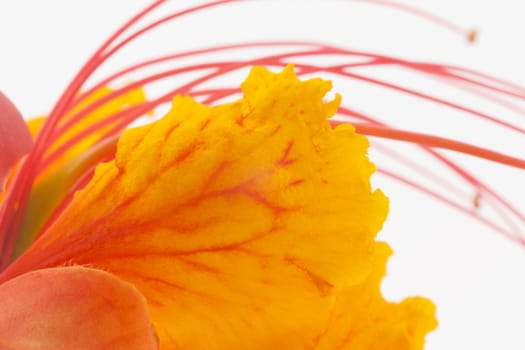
{"x": 363, "y": 320}
{"x": 35, "y": 125}
{"x": 239, "y": 223}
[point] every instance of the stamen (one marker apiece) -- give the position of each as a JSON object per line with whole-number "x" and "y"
{"x": 48, "y": 194}
{"x": 56, "y": 125}
{"x": 440, "y": 21}
{"x": 311, "y": 69}
{"x": 453, "y": 204}
{"x": 435, "y": 99}
{"x": 472, "y": 35}
{"x": 435, "y": 141}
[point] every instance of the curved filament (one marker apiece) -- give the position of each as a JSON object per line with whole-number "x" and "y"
{"x": 505, "y": 94}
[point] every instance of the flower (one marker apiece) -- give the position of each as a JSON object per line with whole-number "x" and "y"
{"x": 251, "y": 222}
{"x": 126, "y": 223}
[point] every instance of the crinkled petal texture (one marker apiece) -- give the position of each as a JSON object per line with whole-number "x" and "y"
{"x": 73, "y": 308}
{"x": 362, "y": 320}
{"x": 240, "y": 223}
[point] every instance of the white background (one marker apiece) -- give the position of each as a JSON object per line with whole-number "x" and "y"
{"x": 476, "y": 277}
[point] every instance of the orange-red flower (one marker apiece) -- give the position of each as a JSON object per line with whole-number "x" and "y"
{"x": 251, "y": 222}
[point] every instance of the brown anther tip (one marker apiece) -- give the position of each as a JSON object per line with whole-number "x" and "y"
{"x": 472, "y": 36}
{"x": 476, "y": 200}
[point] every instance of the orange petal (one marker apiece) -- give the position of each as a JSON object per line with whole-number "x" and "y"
{"x": 15, "y": 140}
{"x": 361, "y": 319}
{"x": 73, "y": 308}
{"x": 238, "y": 222}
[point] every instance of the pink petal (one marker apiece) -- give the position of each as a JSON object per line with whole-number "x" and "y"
{"x": 15, "y": 139}
{"x": 73, "y": 308}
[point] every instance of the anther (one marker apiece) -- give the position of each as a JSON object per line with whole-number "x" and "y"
{"x": 472, "y": 36}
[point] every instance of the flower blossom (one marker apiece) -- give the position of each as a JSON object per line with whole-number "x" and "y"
{"x": 251, "y": 222}
{"x": 246, "y": 224}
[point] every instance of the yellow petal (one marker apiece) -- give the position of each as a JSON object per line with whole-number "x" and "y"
{"x": 363, "y": 320}
{"x": 238, "y": 223}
